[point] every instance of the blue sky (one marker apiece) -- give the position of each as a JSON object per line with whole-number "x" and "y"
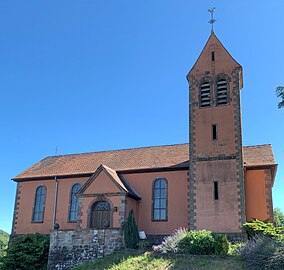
{"x": 94, "y": 75}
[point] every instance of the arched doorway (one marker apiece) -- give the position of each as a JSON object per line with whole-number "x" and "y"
{"x": 101, "y": 215}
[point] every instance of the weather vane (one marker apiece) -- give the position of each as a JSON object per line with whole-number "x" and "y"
{"x": 212, "y": 21}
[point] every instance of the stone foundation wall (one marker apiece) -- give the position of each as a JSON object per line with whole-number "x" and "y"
{"x": 70, "y": 248}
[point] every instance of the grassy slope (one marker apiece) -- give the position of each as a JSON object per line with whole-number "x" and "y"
{"x": 130, "y": 260}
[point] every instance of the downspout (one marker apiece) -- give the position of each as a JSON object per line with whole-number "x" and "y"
{"x": 55, "y": 202}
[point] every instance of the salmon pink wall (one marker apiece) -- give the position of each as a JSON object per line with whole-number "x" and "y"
{"x": 217, "y": 215}
{"x": 26, "y": 203}
{"x": 257, "y": 194}
{"x": 132, "y": 205}
{"x": 177, "y": 201}
{"x": 102, "y": 184}
{"x": 63, "y": 205}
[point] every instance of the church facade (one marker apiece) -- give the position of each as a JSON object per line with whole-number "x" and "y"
{"x": 213, "y": 182}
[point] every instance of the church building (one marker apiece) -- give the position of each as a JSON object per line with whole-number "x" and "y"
{"x": 213, "y": 182}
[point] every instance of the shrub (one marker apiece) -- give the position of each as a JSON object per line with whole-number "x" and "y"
{"x": 221, "y": 243}
{"x": 258, "y": 250}
{"x": 131, "y": 235}
{"x": 27, "y": 252}
{"x": 234, "y": 248}
{"x": 170, "y": 243}
{"x": 203, "y": 243}
{"x": 276, "y": 261}
{"x": 261, "y": 227}
{"x": 143, "y": 244}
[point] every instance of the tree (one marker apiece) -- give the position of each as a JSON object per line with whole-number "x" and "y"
{"x": 278, "y": 217}
{"x": 27, "y": 252}
{"x": 280, "y": 93}
{"x": 131, "y": 235}
{"x": 4, "y": 239}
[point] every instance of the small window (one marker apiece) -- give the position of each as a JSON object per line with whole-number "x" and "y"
{"x": 205, "y": 94}
{"x": 214, "y": 132}
{"x": 160, "y": 200}
{"x": 73, "y": 211}
{"x": 212, "y": 56}
{"x": 222, "y": 92}
{"x": 216, "y": 190}
{"x": 39, "y": 203}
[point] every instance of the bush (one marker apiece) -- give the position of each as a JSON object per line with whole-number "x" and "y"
{"x": 257, "y": 227}
{"x": 131, "y": 235}
{"x": 204, "y": 243}
{"x": 194, "y": 242}
{"x": 27, "y": 252}
{"x": 234, "y": 248}
{"x": 276, "y": 261}
{"x": 170, "y": 243}
{"x": 258, "y": 250}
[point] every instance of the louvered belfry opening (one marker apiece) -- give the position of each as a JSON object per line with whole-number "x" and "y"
{"x": 222, "y": 92}
{"x": 205, "y": 94}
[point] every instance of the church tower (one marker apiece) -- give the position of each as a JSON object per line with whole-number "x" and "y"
{"x": 216, "y": 177}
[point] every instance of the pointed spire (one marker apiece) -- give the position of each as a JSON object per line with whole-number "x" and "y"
{"x": 212, "y": 21}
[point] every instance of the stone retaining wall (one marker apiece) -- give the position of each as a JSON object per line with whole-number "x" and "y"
{"x": 70, "y": 248}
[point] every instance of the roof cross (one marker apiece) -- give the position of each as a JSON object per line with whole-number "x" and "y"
{"x": 212, "y": 21}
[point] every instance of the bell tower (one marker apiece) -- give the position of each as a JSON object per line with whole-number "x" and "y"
{"x": 216, "y": 179}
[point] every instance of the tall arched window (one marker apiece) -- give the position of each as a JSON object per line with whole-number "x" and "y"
{"x": 73, "y": 211}
{"x": 39, "y": 204}
{"x": 160, "y": 200}
{"x": 205, "y": 94}
{"x": 222, "y": 92}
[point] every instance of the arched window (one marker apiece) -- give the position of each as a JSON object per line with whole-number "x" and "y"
{"x": 222, "y": 92}
{"x": 73, "y": 211}
{"x": 160, "y": 200}
{"x": 101, "y": 215}
{"x": 39, "y": 204}
{"x": 205, "y": 94}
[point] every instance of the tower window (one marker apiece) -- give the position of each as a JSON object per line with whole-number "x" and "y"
{"x": 212, "y": 56}
{"x": 222, "y": 92}
{"x": 216, "y": 190}
{"x": 205, "y": 94}
{"x": 214, "y": 132}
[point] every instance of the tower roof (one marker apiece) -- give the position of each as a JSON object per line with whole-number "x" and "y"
{"x": 214, "y": 58}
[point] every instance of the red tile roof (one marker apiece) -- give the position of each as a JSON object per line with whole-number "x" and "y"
{"x": 132, "y": 159}
{"x": 258, "y": 155}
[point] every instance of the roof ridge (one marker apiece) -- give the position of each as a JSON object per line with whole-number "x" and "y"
{"x": 116, "y": 150}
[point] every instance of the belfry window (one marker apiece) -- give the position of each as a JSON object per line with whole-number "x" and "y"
{"x": 73, "y": 211}
{"x": 222, "y": 92}
{"x": 39, "y": 203}
{"x": 160, "y": 200}
{"x": 205, "y": 94}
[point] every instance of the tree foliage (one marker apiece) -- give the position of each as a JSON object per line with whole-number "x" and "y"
{"x": 280, "y": 93}
{"x": 131, "y": 235}
{"x": 4, "y": 239}
{"x": 278, "y": 217}
{"x": 27, "y": 252}
{"x": 258, "y": 227}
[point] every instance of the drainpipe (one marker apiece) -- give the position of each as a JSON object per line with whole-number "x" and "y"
{"x": 55, "y": 202}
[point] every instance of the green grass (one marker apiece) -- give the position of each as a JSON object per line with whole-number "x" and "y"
{"x": 136, "y": 260}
